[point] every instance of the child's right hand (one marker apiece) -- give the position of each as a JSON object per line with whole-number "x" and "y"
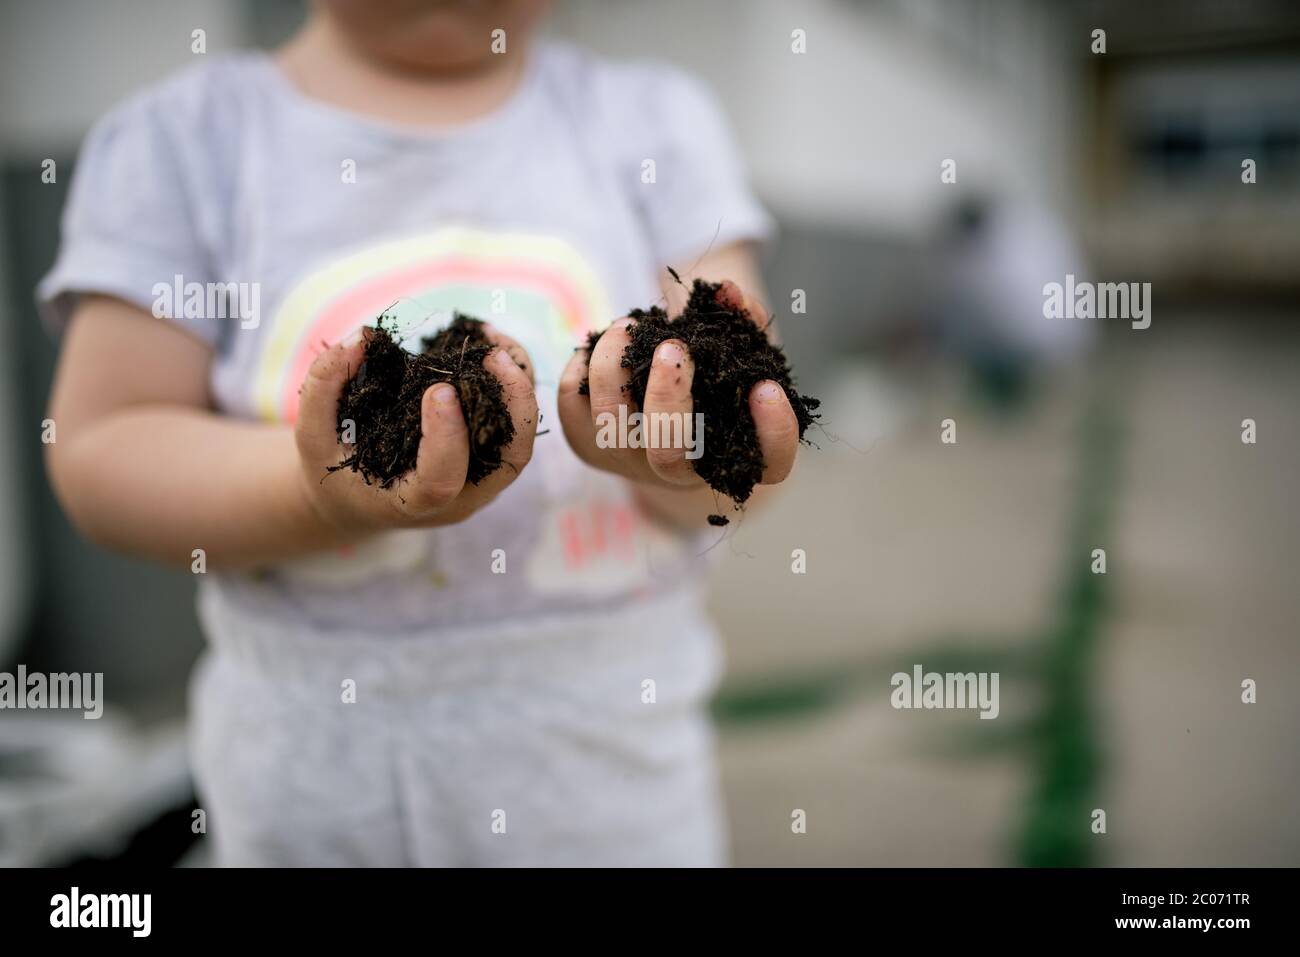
{"x": 436, "y": 492}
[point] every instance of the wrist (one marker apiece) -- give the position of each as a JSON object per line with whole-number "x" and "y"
{"x": 312, "y": 522}
{"x": 678, "y": 506}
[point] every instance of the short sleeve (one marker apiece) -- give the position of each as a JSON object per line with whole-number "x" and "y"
{"x": 696, "y": 195}
{"x": 129, "y": 226}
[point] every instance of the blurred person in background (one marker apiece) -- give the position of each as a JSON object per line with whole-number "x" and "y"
{"x": 994, "y": 258}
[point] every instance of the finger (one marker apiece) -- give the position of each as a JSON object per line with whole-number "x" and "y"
{"x": 521, "y": 402}
{"x": 582, "y": 431}
{"x": 607, "y": 379}
{"x": 443, "y": 456}
{"x": 731, "y": 296}
{"x": 609, "y": 395}
{"x": 512, "y": 348}
{"x": 574, "y": 408}
{"x": 777, "y": 428}
{"x": 668, "y": 425}
{"x": 607, "y": 386}
{"x": 318, "y": 405}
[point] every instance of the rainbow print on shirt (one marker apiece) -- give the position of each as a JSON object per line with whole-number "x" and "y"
{"x": 536, "y": 288}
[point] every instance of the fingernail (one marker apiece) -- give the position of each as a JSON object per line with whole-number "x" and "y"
{"x": 445, "y": 394}
{"x": 502, "y": 361}
{"x": 670, "y": 353}
{"x": 769, "y": 392}
{"x": 621, "y": 323}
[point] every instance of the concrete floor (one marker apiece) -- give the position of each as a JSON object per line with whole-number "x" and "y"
{"x": 915, "y": 548}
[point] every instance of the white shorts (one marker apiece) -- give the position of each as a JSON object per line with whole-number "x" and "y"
{"x": 535, "y": 743}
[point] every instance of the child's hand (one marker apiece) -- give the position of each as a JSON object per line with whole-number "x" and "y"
{"x": 668, "y": 391}
{"x": 436, "y": 492}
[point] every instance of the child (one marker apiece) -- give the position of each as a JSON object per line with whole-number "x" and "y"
{"x": 436, "y": 673}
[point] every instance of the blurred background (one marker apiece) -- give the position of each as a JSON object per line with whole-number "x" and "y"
{"x": 1119, "y": 691}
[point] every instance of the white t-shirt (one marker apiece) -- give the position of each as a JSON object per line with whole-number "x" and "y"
{"x": 549, "y": 217}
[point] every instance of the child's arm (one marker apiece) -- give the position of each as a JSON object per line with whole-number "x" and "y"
{"x": 142, "y": 465}
{"x": 665, "y": 483}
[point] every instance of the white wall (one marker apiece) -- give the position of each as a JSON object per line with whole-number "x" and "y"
{"x": 854, "y": 131}
{"x": 63, "y": 63}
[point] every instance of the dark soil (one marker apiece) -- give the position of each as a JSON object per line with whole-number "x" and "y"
{"x": 732, "y": 354}
{"x": 383, "y": 399}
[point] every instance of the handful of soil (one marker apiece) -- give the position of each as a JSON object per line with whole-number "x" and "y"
{"x": 383, "y": 401}
{"x": 732, "y": 354}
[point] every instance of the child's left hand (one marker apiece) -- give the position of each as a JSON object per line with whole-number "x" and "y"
{"x": 668, "y": 391}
